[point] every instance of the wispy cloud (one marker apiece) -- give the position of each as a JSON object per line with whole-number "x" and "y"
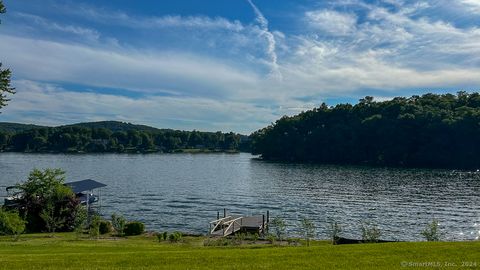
{"x": 40, "y": 22}
{"x": 331, "y": 22}
{"x": 212, "y": 72}
{"x": 265, "y": 32}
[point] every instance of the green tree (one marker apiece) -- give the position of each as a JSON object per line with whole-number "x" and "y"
{"x": 47, "y": 204}
{"x": 5, "y": 75}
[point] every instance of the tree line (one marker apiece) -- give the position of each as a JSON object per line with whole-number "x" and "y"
{"x": 431, "y": 130}
{"x": 78, "y": 139}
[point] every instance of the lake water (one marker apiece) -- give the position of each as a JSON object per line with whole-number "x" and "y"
{"x": 185, "y": 191}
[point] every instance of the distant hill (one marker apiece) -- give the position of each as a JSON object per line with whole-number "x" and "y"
{"x": 16, "y": 127}
{"x": 116, "y": 126}
{"x": 110, "y": 125}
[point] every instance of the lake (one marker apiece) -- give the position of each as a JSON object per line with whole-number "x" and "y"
{"x": 185, "y": 191}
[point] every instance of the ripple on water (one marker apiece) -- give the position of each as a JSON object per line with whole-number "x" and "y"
{"x": 184, "y": 192}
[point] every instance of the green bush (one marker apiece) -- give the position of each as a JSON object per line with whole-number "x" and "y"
{"x": 118, "y": 223}
{"x": 370, "y": 233}
{"x": 11, "y": 223}
{"x": 94, "y": 228}
{"x": 134, "y": 228}
{"x": 105, "y": 227}
{"x": 431, "y": 232}
{"x": 279, "y": 227}
{"x": 175, "y": 237}
{"x": 162, "y": 236}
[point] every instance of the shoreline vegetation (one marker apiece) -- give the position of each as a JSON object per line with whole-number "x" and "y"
{"x": 67, "y": 251}
{"x": 428, "y": 131}
{"x": 115, "y": 137}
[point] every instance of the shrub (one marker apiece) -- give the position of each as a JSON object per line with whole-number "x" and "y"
{"x": 175, "y": 237}
{"x": 370, "y": 233}
{"x": 308, "y": 229}
{"x": 80, "y": 221}
{"x": 118, "y": 223}
{"x": 162, "y": 236}
{"x": 11, "y": 224}
{"x": 255, "y": 237}
{"x": 134, "y": 228}
{"x": 165, "y": 236}
{"x": 431, "y": 232}
{"x": 94, "y": 229}
{"x": 279, "y": 227}
{"x": 105, "y": 227}
{"x": 335, "y": 230}
{"x": 271, "y": 238}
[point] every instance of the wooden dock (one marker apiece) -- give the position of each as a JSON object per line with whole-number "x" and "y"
{"x": 231, "y": 224}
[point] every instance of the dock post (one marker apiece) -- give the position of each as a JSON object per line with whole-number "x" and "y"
{"x": 263, "y": 224}
{"x": 218, "y": 215}
{"x": 268, "y": 216}
{"x": 224, "y": 212}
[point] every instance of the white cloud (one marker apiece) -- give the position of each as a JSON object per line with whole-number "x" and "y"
{"x": 181, "y": 73}
{"x": 83, "y": 32}
{"x": 388, "y": 50}
{"x": 472, "y": 5}
{"x": 269, "y": 36}
{"x": 49, "y": 104}
{"x": 331, "y": 22}
{"x": 126, "y": 20}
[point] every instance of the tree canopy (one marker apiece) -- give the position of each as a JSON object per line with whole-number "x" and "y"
{"x": 46, "y": 203}
{"x": 111, "y": 136}
{"x": 420, "y": 131}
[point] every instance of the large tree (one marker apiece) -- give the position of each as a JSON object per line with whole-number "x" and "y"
{"x": 5, "y": 75}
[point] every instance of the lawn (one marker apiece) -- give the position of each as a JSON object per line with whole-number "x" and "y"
{"x": 39, "y": 251}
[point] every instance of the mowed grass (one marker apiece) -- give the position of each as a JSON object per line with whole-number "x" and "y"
{"x": 39, "y": 251}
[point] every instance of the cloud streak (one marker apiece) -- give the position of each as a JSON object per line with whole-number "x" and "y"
{"x": 271, "y": 43}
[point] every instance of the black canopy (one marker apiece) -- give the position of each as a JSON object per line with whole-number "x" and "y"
{"x": 84, "y": 185}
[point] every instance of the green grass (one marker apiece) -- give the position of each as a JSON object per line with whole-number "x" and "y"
{"x": 39, "y": 251}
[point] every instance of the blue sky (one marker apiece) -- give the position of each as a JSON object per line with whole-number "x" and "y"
{"x": 233, "y": 65}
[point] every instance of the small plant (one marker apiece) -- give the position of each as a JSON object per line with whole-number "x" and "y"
{"x": 134, "y": 228}
{"x": 308, "y": 229}
{"x": 105, "y": 227}
{"x": 94, "y": 228}
{"x": 118, "y": 223}
{"x": 255, "y": 237}
{"x": 335, "y": 230}
{"x": 271, "y": 238}
{"x": 11, "y": 224}
{"x": 175, "y": 237}
{"x": 370, "y": 233}
{"x": 431, "y": 232}
{"x": 240, "y": 237}
{"x": 279, "y": 228}
{"x": 162, "y": 236}
{"x": 80, "y": 222}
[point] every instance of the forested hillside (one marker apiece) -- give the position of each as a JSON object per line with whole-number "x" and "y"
{"x": 112, "y": 136}
{"x": 420, "y": 131}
